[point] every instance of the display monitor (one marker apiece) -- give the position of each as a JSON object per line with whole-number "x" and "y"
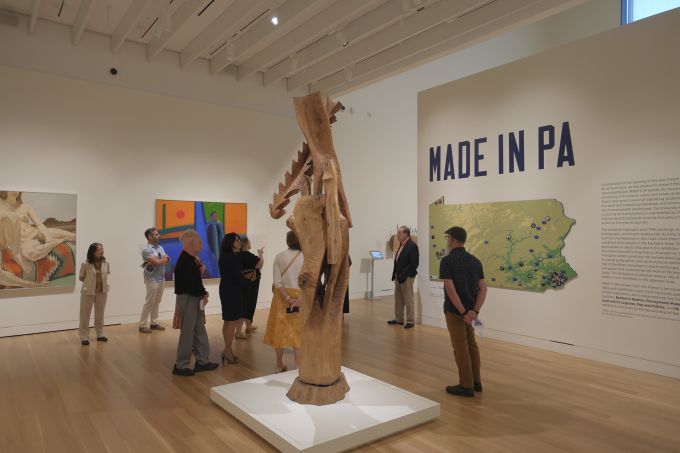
{"x": 376, "y": 254}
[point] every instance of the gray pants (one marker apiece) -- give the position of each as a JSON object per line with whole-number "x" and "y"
{"x": 192, "y": 334}
{"x": 403, "y": 298}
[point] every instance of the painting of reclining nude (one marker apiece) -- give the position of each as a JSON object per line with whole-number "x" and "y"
{"x": 37, "y": 239}
{"x": 212, "y": 220}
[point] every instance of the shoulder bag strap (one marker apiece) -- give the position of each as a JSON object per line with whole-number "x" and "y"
{"x": 291, "y": 263}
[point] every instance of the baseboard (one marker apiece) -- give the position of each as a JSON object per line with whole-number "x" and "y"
{"x": 612, "y": 358}
{"x": 435, "y": 322}
{"x": 72, "y": 324}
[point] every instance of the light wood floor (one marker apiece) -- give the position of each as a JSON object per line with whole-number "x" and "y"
{"x": 57, "y": 396}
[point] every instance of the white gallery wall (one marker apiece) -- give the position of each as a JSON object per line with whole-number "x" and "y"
{"x": 119, "y": 149}
{"x": 376, "y": 137}
{"x": 63, "y": 135}
{"x": 619, "y": 180}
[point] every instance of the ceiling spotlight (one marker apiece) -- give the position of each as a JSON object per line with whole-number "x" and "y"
{"x": 166, "y": 20}
{"x": 409, "y": 6}
{"x": 230, "y": 51}
{"x": 348, "y": 73}
{"x": 342, "y": 39}
{"x": 292, "y": 65}
{"x": 274, "y": 18}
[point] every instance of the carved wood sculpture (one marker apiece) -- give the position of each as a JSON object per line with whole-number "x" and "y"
{"x": 321, "y": 221}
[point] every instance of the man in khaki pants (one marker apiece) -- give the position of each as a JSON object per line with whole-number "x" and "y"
{"x": 154, "y": 261}
{"x": 464, "y": 295}
{"x": 403, "y": 274}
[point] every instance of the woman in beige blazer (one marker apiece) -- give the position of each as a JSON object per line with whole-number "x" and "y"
{"x": 94, "y": 275}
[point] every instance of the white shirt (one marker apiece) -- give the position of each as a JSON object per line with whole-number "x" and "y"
{"x": 290, "y": 278}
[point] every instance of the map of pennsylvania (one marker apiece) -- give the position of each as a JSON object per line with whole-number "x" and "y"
{"x": 518, "y": 242}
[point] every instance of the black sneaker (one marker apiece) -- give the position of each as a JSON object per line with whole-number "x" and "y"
{"x": 102, "y": 339}
{"x": 182, "y": 371}
{"x": 85, "y": 342}
{"x": 459, "y": 390}
{"x": 204, "y": 366}
{"x": 478, "y": 386}
{"x": 393, "y": 322}
{"x": 409, "y": 325}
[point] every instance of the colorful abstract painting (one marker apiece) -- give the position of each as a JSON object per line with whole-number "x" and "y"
{"x": 212, "y": 220}
{"x": 37, "y": 239}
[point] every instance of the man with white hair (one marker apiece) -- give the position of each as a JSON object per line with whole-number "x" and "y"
{"x": 191, "y": 298}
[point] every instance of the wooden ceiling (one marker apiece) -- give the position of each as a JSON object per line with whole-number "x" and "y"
{"x": 326, "y": 45}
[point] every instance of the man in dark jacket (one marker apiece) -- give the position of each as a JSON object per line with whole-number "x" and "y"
{"x": 405, "y": 270}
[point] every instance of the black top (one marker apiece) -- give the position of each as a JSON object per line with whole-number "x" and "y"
{"x": 233, "y": 282}
{"x": 407, "y": 264}
{"x": 465, "y": 271}
{"x": 248, "y": 262}
{"x": 188, "y": 276}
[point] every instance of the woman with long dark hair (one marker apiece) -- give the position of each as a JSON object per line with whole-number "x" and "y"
{"x": 94, "y": 275}
{"x": 232, "y": 285}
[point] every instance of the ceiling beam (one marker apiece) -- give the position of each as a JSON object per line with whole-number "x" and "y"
{"x": 317, "y": 26}
{"x": 235, "y": 17}
{"x": 264, "y": 32}
{"x": 33, "y": 17}
{"x": 436, "y": 35}
{"x": 186, "y": 11}
{"x": 128, "y": 23}
{"x": 292, "y": 14}
{"x": 412, "y": 25}
{"x": 84, "y": 14}
{"x": 379, "y": 18}
{"x": 363, "y": 75}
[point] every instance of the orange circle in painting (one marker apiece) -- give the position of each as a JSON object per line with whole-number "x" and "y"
{"x": 180, "y": 214}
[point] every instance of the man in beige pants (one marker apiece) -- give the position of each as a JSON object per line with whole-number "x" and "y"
{"x": 154, "y": 261}
{"x": 403, "y": 274}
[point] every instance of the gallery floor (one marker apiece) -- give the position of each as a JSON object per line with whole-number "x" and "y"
{"x": 58, "y": 396}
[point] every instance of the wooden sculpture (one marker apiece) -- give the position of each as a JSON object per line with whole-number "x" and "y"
{"x": 321, "y": 221}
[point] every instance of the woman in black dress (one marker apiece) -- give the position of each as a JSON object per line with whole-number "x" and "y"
{"x": 250, "y": 263}
{"x": 232, "y": 285}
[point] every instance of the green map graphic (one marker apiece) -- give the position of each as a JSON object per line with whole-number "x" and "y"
{"x": 518, "y": 242}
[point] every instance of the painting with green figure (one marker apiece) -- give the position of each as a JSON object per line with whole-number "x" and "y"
{"x": 210, "y": 206}
{"x": 518, "y": 242}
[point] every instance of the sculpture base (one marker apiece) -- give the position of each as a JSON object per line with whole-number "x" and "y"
{"x": 370, "y": 411}
{"x": 304, "y": 393}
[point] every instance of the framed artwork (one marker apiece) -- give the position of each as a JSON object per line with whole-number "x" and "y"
{"x": 212, "y": 220}
{"x": 37, "y": 239}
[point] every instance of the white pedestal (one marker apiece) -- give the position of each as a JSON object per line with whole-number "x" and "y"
{"x": 371, "y": 410}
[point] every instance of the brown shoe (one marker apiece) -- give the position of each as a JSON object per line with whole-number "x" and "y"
{"x": 144, "y": 330}
{"x": 157, "y": 327}
{"x": 252, "y": 328}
